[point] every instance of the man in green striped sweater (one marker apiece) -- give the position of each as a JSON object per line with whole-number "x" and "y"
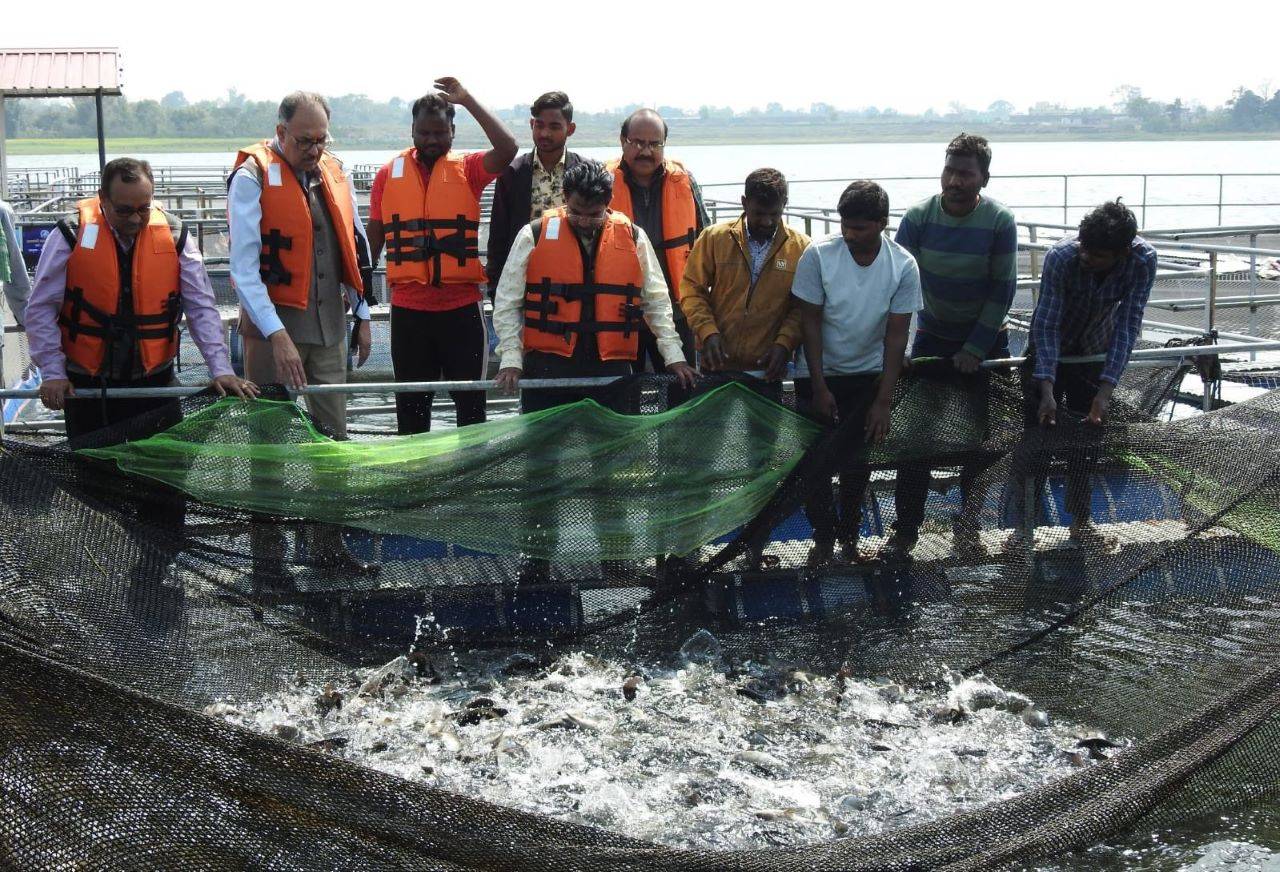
{"x": 966, "y": 245}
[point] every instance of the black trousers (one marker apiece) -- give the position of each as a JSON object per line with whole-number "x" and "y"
{"x": 438, "y": 346}
{"x": 650, "y": 359}
{"x": 86, "y": 415}
{"x": 841, "y": 517}
{"x": 159, "y": 507}
{"x": 1074, "y": 389}
{"x": 912, "y": 490}
{"x": 623, "y": 398}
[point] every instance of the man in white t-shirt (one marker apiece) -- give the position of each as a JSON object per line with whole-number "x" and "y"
{"x": 857, "y": 292}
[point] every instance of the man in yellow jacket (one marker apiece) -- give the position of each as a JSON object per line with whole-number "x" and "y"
{"x": 736, "y": 294}
{"x": 736, "y": 289}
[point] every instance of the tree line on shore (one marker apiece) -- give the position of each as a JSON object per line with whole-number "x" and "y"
{"x": 360, "y": 119}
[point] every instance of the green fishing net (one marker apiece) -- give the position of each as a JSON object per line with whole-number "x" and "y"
{"x": 576, "y": 482}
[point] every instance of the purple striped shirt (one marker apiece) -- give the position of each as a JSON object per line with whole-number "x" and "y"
{"x": 44, "y": 339}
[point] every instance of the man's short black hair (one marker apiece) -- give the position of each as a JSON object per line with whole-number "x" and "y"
{"x": 126, "y": 169}
{"x": 1110, "y": 227}
{"x": 972, "y": 145}
{"x": 552, "y": 100}
{"x": 766, "y": 186}
{"x": 626, "y": 122}
{"x": 432, "y": 103}
{"x": 289, "y": 105}
{"x": 589, "y": 180}
{"x": 864, "y": 200}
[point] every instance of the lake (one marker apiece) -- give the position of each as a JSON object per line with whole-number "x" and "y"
{"x": 720, "y": 169}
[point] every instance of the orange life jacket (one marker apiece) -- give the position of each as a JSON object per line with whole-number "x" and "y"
{"x": 679, "y": 217}
{"x": 90, "y": 318}
{"x": 287, "y": 232}
{"x": 432, "y": 231}
{"x": 557, "y": 283}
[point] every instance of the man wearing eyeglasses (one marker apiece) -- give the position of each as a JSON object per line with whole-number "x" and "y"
{"x": 297, "y": 251}
{"x": 109, "y": 290}
{"x": 579, "y": 284}
{"x": 299, "y": 262}
{"x": 661, "y": 198}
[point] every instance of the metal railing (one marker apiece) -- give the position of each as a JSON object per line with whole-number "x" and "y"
{"x": 1064, "y": 183}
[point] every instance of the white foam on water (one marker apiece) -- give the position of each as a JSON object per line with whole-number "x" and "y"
{"x": 691, "y": 761}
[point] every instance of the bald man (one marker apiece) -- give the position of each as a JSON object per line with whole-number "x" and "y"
{"x": 661, "y": 197}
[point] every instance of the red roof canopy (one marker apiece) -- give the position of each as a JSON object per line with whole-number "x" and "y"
{"x": 59, "y": 72}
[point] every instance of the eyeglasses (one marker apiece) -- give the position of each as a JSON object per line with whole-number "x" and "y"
{"x": 642, "y": 144}
{"x": 127, "y": 212}
{"x": 309, "y": 144}
{"x": 585, "y": 220}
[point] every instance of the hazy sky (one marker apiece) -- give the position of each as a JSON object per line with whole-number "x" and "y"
{"x": 911, "y": 56}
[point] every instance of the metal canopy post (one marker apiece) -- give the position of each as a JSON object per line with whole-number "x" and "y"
{"x": 102, "y": 136}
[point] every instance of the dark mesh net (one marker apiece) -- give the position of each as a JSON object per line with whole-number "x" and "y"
{"x": 128, "y": 604}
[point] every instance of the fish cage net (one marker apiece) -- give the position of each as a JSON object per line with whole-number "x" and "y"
{"x": 212, "y": 549}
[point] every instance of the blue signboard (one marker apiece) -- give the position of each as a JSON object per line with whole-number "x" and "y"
{"x": 33, "y": 237}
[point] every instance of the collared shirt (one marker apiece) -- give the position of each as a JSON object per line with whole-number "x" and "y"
{"x": 1081, "y": 313}
{"x": 198, "y": 304}
{"x": 508, "y": 302}
{"x": 244, "y": 216}
{"x": 548, "y": 186}
{"x": 758, "y": 250}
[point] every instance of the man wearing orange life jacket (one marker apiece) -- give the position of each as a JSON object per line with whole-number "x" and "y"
{"x": 109, "y": 290}
{"x": 425, "y": 209}
{"x": 297, "y": 250}
{"x": 579, "y": 285}
{"x": 661, "y": 197}
{"x": 299, "y": 263}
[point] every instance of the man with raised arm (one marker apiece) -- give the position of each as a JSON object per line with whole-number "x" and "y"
{"x": 660, "y": 197}
{"x": 966, "y": 245}
{"x": 857, "y": 292}
{"x": 424, "y": 210}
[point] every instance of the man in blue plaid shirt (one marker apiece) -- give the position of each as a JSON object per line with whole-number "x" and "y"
{"x": 1093, "y": 292}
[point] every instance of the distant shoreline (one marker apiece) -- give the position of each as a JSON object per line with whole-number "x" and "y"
{"x": 726, "y": 136}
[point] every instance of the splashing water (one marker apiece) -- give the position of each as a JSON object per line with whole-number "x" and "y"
{"x": 688, "y": 755}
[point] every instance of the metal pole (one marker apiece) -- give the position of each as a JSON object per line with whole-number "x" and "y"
{"x": 1139, "y": 356}
{"x": 1220, "y": 178}
{"x": 4, "y": 159}
{"x": 1253, "y": 284}
{"x": 1035, "y": 265}
{"x": 353, "y": 387}
{"x": 1212, "y": 302}
{"x": 1065, "y": 202}
{"x": 1207, "y": 399}
{"x": 1144, "y": 199}
{"x": 102, "y": 135}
